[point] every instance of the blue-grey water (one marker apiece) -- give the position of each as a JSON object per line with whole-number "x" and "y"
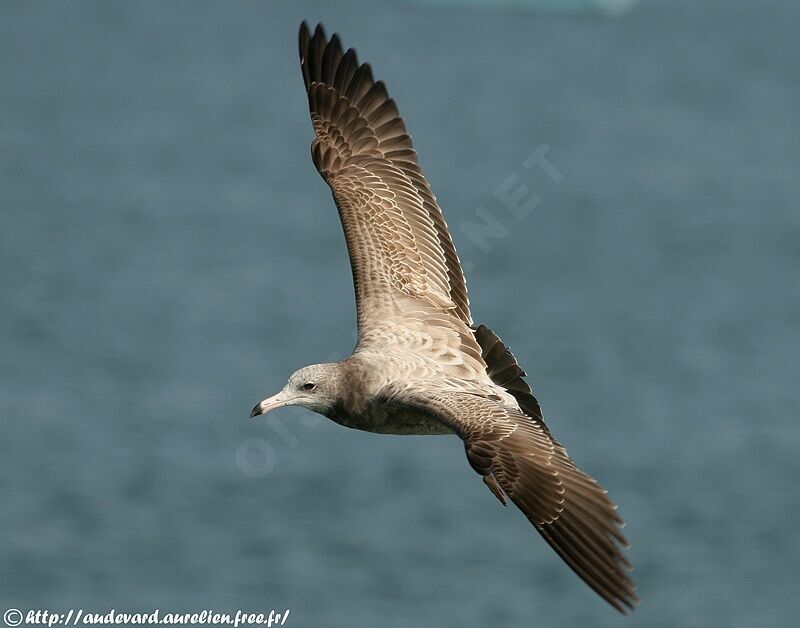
{"x": 169, "y": 255}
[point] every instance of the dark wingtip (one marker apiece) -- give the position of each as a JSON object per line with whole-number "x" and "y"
{"x": 335, "y": 42}
{"x": 303, "y": 36}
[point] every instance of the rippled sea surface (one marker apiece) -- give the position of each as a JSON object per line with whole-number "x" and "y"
{"x": 169, "y": 255}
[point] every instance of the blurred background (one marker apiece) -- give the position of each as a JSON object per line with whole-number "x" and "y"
{"x": 169, "y": 255}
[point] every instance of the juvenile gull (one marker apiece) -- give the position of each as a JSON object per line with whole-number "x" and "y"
{"x": 420, "y": 365}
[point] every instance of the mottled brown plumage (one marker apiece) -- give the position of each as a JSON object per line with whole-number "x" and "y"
{"x": 364, "y": 153}
{"x": 419, "y": 366}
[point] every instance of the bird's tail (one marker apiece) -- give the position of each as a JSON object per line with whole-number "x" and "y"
{"x": 504, "y": 370}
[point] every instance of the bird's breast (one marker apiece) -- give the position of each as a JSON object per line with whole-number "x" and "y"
{"x": 380, "y": 418}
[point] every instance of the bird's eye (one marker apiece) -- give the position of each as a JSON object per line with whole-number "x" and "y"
{"x": 309, "y": 386}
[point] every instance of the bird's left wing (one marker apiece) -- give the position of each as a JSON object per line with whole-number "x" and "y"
{"x": 516, "y": 456}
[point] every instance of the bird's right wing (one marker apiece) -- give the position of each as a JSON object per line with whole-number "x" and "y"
{"x": 516, "y": 456}
{"x": 401, "y": 252}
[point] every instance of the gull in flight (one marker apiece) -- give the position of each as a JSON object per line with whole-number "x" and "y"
{"x": 421, "y": 366}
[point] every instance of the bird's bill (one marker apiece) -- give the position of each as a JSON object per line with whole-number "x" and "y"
{"x": 270, "y": 403}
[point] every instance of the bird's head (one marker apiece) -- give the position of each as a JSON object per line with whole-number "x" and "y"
{"x": 312, "y": 387}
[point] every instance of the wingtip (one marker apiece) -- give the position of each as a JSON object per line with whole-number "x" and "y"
{"x": 335, "y": 42}
{"x": 319, "y": 32}
{"x": 303, "y": 37}
{"x": 631, "y": 600}
{"x": 305, "y": 28}
{"x": 624, "y": 605}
